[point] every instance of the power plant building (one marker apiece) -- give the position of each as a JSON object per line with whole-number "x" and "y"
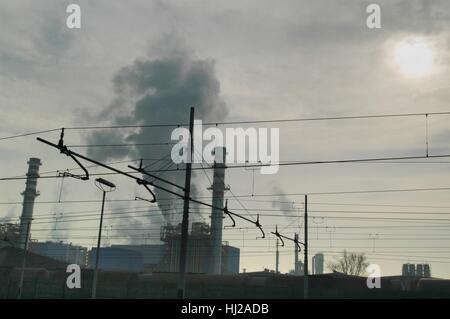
{"x": 67, "y": 253}
{"x": 166, "y": 257}
{"x": 117, "y": 259}
{"x": 317, "y": 264}
{"x": 199, "y": 254}
{"x": 206, "y": 251}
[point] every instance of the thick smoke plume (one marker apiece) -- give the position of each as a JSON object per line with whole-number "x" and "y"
{"x": 282, "y": 203}
{"x": 158, "y": 91}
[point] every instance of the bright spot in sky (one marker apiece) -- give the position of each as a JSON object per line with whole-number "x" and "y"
{"x": 415, "y": 58}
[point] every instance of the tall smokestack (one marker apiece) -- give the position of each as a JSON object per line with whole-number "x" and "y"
{"x": 218, "y": 189}
{"x": 29, "y": 195}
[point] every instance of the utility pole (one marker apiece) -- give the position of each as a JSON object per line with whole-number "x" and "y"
{"x": 25, "y": 250}
{"x": 296, "y": 255}
{"x": 277, "y": 259}
{"x": 373, "y": 237}
{"x": 305, "y": 273}
{"x": 185, "y": 222}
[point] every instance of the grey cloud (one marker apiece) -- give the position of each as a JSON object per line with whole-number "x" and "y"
{"x": 45, "y": 42}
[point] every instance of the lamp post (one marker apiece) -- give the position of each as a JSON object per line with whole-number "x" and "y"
{"x": 105, "y": 186}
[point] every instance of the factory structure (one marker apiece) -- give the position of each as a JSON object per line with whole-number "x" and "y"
{"x": 317, "y": 265}
{"x": 9, "y": 235}
{"x": 67, "y": 253}
{"x": 162, "y": 257}
{"x": 419, "y": 270}
{"x": 207, "y": 253}
{"x": 165, "y": 257}
{"x": 18, "y": 235}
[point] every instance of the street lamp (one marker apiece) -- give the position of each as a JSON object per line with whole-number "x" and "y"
{"x": 105, "y": 186}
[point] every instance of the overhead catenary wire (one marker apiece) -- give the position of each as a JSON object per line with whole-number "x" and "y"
{"x": 343, "y": 161}
{"x": 63, "y": 149}
{"x": 28, "y": 134}
{"x": 121, "y": 145}
{"x": 305, "y": 119}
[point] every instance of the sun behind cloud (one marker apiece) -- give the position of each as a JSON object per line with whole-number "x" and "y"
{"x": 415, "y": 58}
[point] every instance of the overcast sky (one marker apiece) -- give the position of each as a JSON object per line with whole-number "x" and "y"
{"x": 145, "y": 62}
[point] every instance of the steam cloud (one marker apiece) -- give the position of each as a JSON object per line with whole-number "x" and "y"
{"x": 282, "y": 203}
{"x": 159, "y": 90}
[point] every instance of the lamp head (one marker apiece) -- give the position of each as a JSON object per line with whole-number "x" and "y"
{"x": 101, "y": 181}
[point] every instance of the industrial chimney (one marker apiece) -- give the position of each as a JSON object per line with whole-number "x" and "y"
{"x": 29, "y": 195}
{"x": 296, "y": 268}
{"x": 218, "y": 189}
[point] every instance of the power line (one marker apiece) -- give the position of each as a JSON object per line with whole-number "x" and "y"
{"x": 329, "y": 118}
{"x": 232, "y": 122}
{"x": 146, "y": 213}
{"x": 353, "y": 192}
{"x": 29, "y": 134}
{"x": 121, "y": 145}
{"x": 258, "y": 195}
{"x": 362, "y": 160}
{"x": 186, "y": 197}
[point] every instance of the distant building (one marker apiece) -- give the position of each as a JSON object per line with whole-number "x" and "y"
{"x": 406, "y": 270}
{"x": 301, "y": 268}
{"x": 419, "y": 270}
{"x": 199, "y": 251}
{"x": 117, "y": 259}
{"x": 409, "y": 270}
{"x": 64, "y": 252}
{"x": 230, "y": 259}
{"x": 317, "y": 264}
{"x": 166, "y": 257}
{"x": 13, "y": 257}
{"x": 152, "y": 255}
{"x": 9, "y": 235}
{"x": 426, "y": 271}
